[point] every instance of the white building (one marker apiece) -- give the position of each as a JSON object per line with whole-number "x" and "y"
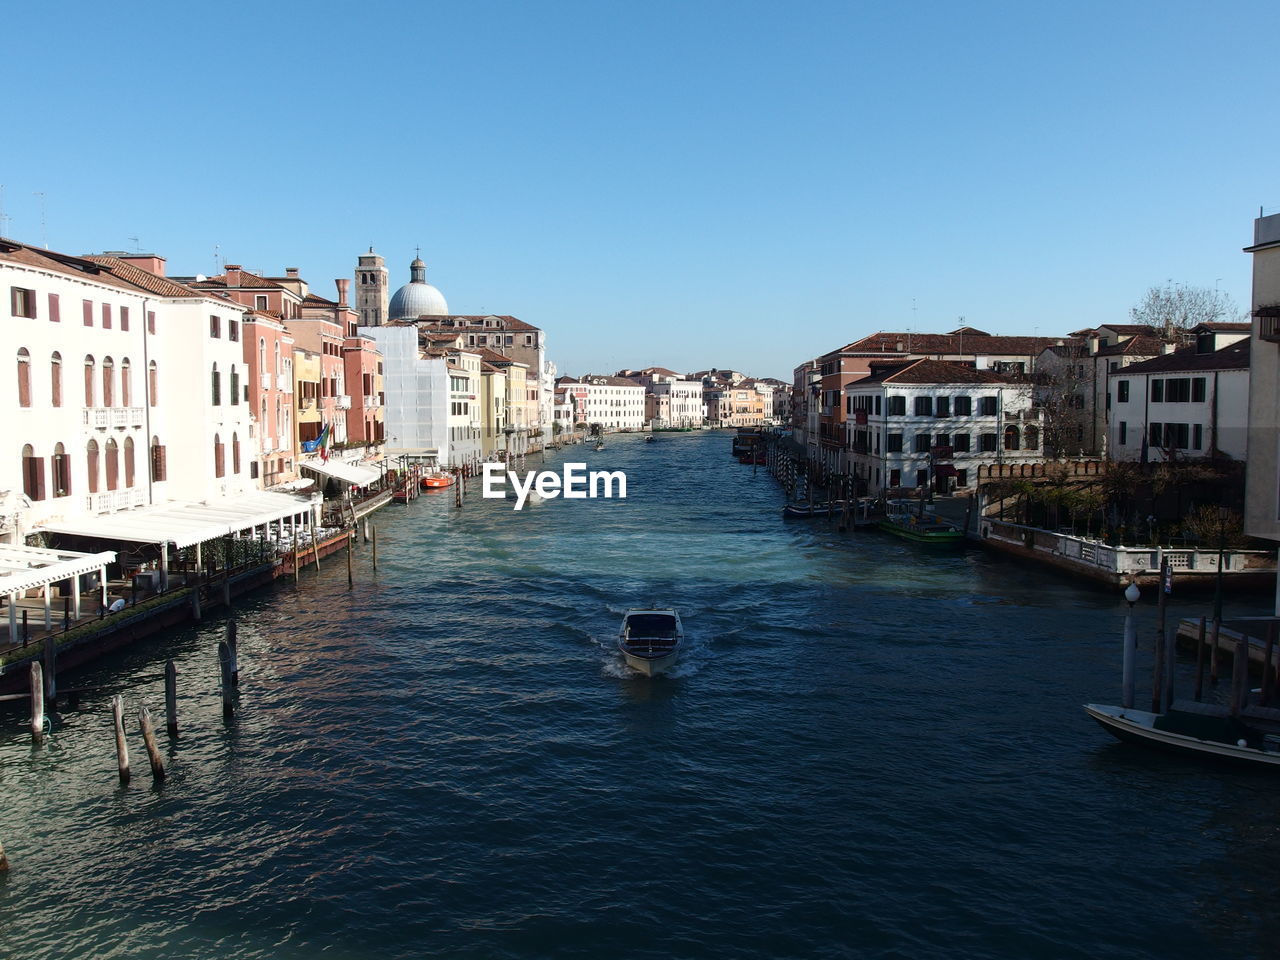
{"x": 1262, "y": 476}
{"x": 677, "y": 403}
{"x": 616, "y": 403}
{"x": 934, "y": 422}
{"x": 126, "y": 419}
{"x": 1193, "y": 402}
{"x": 417, "y": 387}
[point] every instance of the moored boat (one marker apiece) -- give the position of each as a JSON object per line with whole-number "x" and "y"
{"x": 650, "y": 639}
{"x": 1200, "y": 729}
{"x": 908, "y": 519}
{"x": 437, "y": 480}
{"x": 812, "y": 509}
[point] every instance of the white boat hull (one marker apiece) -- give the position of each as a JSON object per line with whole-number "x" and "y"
{"x": 1137, "y": 726}
{"x": 650, "y": 666}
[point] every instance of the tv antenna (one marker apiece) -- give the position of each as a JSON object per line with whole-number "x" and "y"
{"x": 136, "y": 248}
{"x": 44, "y": 225}
{"x": 3, "y": 217}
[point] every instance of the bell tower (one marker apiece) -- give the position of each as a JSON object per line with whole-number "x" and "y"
{"x": 371, "y": 289}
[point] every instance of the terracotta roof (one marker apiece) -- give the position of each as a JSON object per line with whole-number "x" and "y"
{"x": 966, "y": 344}
{"x": 600, "y": 380}
{"x": 1224, "y": 326}
{"x": 311, "y": 300}
{"x": 474, "y": 321}
{"x": 660, "y": 371}
{"x": 160, "y": 286}
{"x": 1232, "y": 357}
{"x": 1133, "y": 329}
{"x": 487, "y": 367}
{"x": 247, "y": 279}
{"x": 1139, "y": 345}
{"x": 17, "y": 252}
{"x": 930, "y": 371}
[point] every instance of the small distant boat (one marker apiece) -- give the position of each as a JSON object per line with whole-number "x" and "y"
{"x": 1191, "y": 728}
{"x": 599, "y": 444}
{"x": 906, "y": 519}
{"x": 650, "y": 640}
{"x": 437, "y": 480}
{"x": 649, "y": 438}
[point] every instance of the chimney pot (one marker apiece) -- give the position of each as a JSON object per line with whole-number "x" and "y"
{"x": 291, "y": 273}
{"x": 343, "y": 284}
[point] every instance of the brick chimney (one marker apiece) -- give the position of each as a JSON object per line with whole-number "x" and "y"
{"x": 291, "y": 273}
{"x": 232, "y": 271}
{"x": 145, "y": 261}
{"x": 343, "y": 285}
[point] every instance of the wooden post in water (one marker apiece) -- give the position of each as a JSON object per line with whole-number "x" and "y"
{"x": 1170, "y": 658}
{"x": 1240, "y": 676}
{"x": 1157, "y": 672}
{"x": 195, "y": 598}
{"x": 374, "y": 531}
{"x": 457, "y": 491}
{"x": 51, "y": 673}
{"x": 350, "y": 579}
{"x": 1213, "y": 651}
{"x": 1268, "y": 667}
{"x": 224, "y": 669}
{"x": 4, "y": 861}
{"x": 149, "y": 739}
{"x": 1200, "y": 661}
{"x": 171, "y": 698}
{"x": 297, "y": 561}
{"x": 122, "y": 748}
{"x": 315, "y": 548}
{"x": 233, "y": 650}
{"x": 1162, "y": 598}
{"x": 37, "y": 703}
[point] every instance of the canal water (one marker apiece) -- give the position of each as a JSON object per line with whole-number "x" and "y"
{"x": 868, "y": 750}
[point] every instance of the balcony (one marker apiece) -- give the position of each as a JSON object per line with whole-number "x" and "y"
{"x": 102, "y": 418}
{"x": 306, "y": 403}
{"x": 113, "y": 500}
{"x": 370, "y": 403}
{"x": 1268, "y": 324}
{"x": 342, "y": 401}
{"x": 284, "y": 383}
{"x": 264, "y": 381}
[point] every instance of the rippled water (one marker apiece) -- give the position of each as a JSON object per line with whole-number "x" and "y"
{"x": 867, "y": 750}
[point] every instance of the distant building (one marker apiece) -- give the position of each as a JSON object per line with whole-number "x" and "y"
{"x": 372, "y": 296}
{"x": 1262, "y": 476}
{"x": 615, "y": 403}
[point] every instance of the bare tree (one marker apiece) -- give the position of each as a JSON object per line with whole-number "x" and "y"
{"x": 1063, "y": 382}
{"x": 1175, "y": 308}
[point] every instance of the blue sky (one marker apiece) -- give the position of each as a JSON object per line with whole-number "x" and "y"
{"x": 733, "y": 184}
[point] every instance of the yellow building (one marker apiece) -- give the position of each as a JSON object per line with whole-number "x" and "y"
{"x": 493, "y": 410}
{"x": 306, "y": 393}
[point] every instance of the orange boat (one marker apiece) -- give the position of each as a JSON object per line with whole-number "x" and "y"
{"x": 437, "y": 480}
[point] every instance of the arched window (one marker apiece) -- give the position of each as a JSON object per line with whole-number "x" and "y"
{"x": 277, "y": 368}
{"x": 217, "y": 387}
{"x": 279, "y": 420}
{"x": 24, "y": 377}
{"x": 90, "y": 368}
{"x": 235, "y": 453}
{"x": 61, "y": 471}
{"x": 234, "y": 387}
{"x": 219, "y": 457}
{"x": 262, "y": 356}
{"x": 55, "y": 378}
{"x": 262, "y": 427}
{"x": 1031, "y": 436}
{"x": 128, "y": 462}
{"x": 32, "y": 473}
{"x": 157, "y": 460}
{"x": 1011, "y": 438}
{"x": 153, "y": 382}
{"x": 113, "y": 464}
{"x": 126, "y": 386}
{"x": 108, "y": 382}
{"x": 91, "y": 464}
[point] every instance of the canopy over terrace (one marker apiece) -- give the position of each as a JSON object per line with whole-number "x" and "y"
{"x": 346, "y": 472}
{"x": 185, "y": 524}
{"x": 24, "y": 568}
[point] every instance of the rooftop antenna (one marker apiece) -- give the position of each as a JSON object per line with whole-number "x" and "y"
{"x": 3, "y": 217}
{"x": 44, "y": 227}
{"x": 217, "y": 256}
{"x": 136, "y": 247}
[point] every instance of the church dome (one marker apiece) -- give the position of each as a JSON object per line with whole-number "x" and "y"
{"x": 417, "y": 298}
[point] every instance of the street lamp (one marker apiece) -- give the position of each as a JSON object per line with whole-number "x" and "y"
{"x": 1131, "y": 595}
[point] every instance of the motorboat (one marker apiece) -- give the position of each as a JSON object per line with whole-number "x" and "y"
{"x": 1202, "y": 729}
{"x": 813, "y": 509}
{"x": 650, "y": 639}
{"x": 649, "y": 438}
{"x": 438, "y": 480}
{"x": 911, "y": 521}
{"x": 599, "y": 444}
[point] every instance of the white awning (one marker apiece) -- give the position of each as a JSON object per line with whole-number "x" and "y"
{"x": 184, "y": 524}
{"x": 23, "y": 567}
{"x": 346, "y": 472}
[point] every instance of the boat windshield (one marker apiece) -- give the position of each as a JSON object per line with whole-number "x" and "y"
{"x": 651, "y": 625}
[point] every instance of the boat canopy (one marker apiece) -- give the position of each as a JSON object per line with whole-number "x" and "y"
{"x": 651, "y": 625}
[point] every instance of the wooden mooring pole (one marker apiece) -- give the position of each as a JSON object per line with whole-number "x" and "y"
{"x": 233, "y": 649}
{"x": 1268, "y": 665}
{"x": 1200, "y": 660}
{"x": 1213, "y": 651}
{"x": 375, "y": 548}
{"x": 4, "y": 861}
{"x": 1240, "y": 676}
{"x": 37, "y": 703}
{"x": 224, "y": 670}
{"x": 171, "y": 698}
{"x": 122, "y": 748}
{"x": 149, "y": 739}
{"x": 1162, "y": 597}
{"x": 350, "y": 579}
{"x": 51, "y": 673}
{"x": 1157, "y": 672}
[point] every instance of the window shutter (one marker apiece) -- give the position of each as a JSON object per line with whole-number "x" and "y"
{"x": 124, "y": 318}
{"x": 88, "y": 313}
{"x": 55, "y": 311}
